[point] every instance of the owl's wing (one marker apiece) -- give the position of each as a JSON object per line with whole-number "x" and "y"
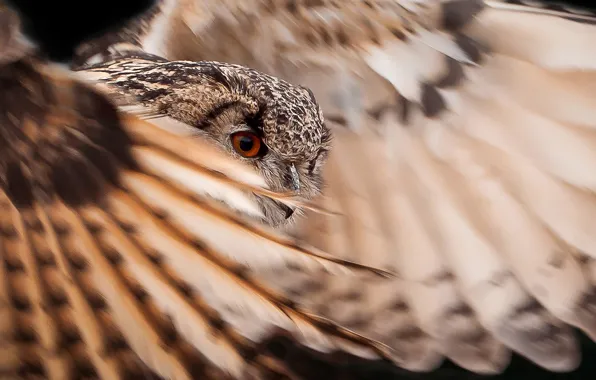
{"x": 116, "y": 253}
{"x": 464, "y": 159}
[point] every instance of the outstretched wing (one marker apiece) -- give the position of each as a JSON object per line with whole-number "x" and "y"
{"x": 464, "y": 159}
{"x": 118, "y": 257}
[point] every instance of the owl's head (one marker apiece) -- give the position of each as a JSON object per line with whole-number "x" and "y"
{"x": 259, "y": 119}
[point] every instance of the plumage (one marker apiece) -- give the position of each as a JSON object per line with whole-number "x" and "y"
{"x": 211, "y": 100}
{"x": 459, "y": 140}
{"x": 461, "y": 159}
{"x": 115, "y": 264}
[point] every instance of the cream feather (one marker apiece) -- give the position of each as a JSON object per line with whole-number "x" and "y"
{"x": 463, "y": 160}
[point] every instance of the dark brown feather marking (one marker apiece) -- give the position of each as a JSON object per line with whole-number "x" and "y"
{"x": 458, "y": 13}
{"x": 40, "y": 135}
{"x": 545, "y": 339}
{"x": 432, "y": 102}
{"x": 453, "y": 76}
{"x": 403, "y": 109}
{"x": 472, "y": 49}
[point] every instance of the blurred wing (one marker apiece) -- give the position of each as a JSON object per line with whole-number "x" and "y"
{"x": 117, "y": 255}
{"x": 464, "y": 159}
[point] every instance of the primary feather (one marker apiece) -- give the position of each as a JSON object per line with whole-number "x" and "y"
{"x": 462, "y": 158}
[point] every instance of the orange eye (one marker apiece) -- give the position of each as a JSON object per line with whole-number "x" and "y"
{"x": 247, "y": 144}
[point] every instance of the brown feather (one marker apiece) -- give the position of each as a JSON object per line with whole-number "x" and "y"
{"x": 112, "y": 276}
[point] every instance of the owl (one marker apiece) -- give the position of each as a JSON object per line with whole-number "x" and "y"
{"x": 461, "y": 146}
{"x": 236, "y": 109}
{"x": 407, "y": 180}
{"x": 130, "y": 250}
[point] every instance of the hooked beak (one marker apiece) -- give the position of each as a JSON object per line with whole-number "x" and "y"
{"x": 295, "y": 178}
{"x": 295, "y": 186}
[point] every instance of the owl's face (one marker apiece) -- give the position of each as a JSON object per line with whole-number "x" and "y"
{"x": 244, "y": 139}
{"x": 266, "y": 122}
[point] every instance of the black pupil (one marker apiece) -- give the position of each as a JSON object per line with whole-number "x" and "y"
{"x": 246, "y": 143}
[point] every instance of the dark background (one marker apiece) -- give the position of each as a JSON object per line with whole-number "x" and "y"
{"x": 311, "y": 367}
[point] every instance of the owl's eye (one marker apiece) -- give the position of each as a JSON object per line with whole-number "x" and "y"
{"x": 247, "y": 144}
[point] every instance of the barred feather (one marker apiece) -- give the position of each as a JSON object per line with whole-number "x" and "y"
{"x": 462, "y": 159}
{"x": 114, "y": 264}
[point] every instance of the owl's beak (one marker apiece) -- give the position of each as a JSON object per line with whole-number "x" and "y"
{"x": 295, "y": 178}
{"x": 295, "y": 186}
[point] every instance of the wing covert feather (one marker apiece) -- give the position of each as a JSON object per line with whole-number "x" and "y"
{"x": 463, "y": 159}
{"x": 112, "y": 264}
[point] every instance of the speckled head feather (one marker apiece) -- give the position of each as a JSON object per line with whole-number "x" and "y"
{"x": 218, "y": 99}
{"x": 292, "y": 123}
{"x": 290, "y": 119}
